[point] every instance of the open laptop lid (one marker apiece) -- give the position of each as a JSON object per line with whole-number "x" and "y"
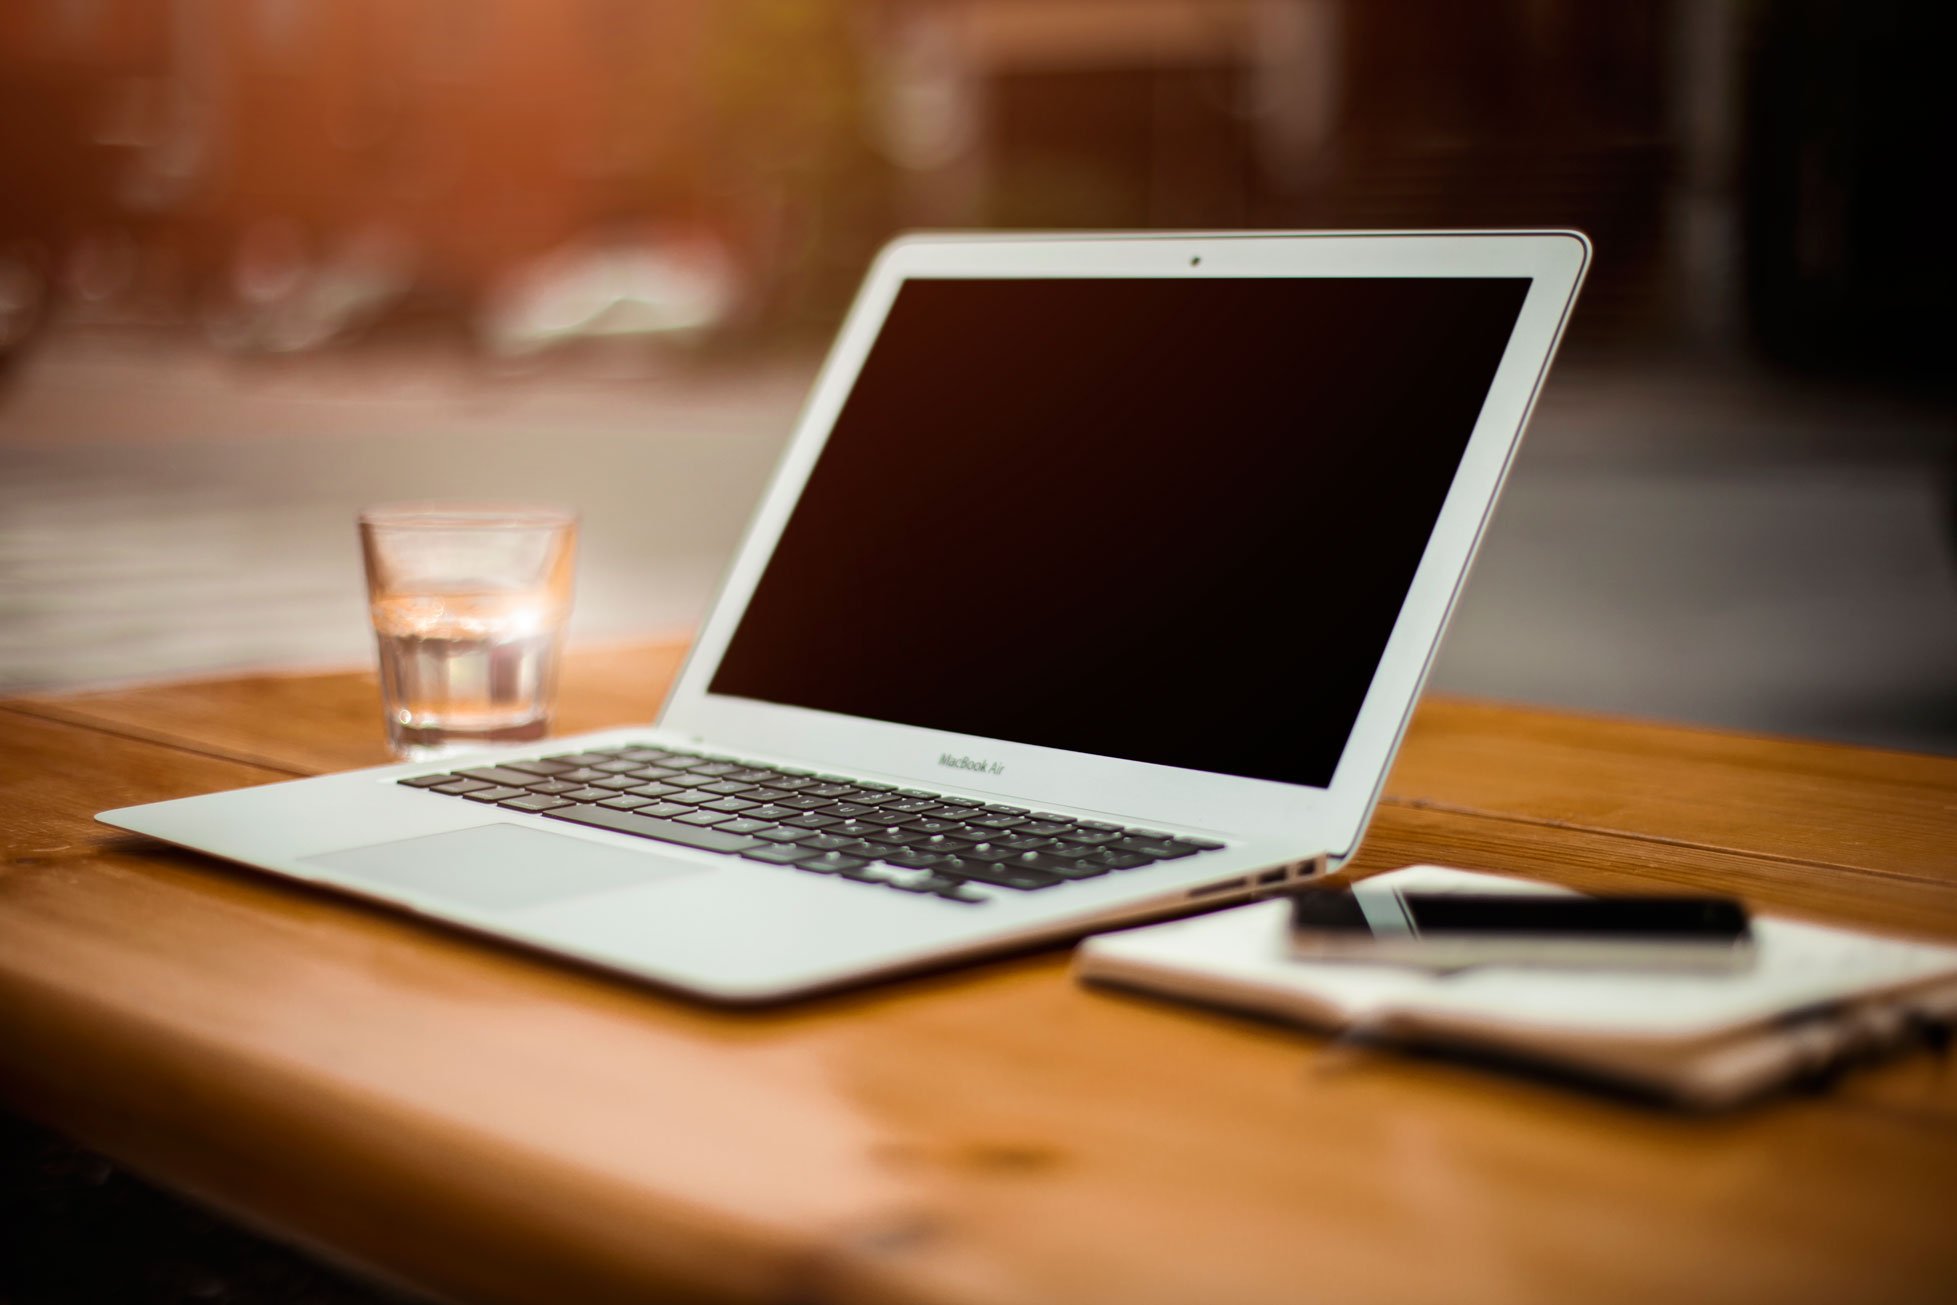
{"x": 1165, "y": 526}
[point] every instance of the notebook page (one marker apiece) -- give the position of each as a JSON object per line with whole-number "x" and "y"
{"x": 1798, "y": 966}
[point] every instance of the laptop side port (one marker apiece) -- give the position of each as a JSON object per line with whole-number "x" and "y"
{"x": 1274, "y": 876}
{"x": 1211, "y": 890}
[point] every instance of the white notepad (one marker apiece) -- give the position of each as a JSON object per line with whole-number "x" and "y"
{"x": 1814, "y": 997}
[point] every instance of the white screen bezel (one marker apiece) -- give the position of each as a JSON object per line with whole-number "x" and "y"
{"x": 1319, "y": 819}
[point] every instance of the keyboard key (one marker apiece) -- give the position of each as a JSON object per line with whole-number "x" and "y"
{"x": 1118, "y": 860}
{"x": 691, "y": 781}
{"x": 775, "y": 853}
{"x": 666, "y": 831}
{"x": 493, "y": 794}
{"x": 703, "y": 818}
{"x": 546, "y": 769}
{"x": 780, "y": 834}
{"x": 716, "y": 768}
{"x": 752, "y": 774}
{"x": 587, "y": 795}
{"x": 730, "y": 805}
{"x": 1153, "y": 851}
{"x": 616, "y": 767}
{"x": 661, "y": 810}
{"x": 1099, "y": 827}
{"x": 1200, "y": 844}
{"x": 426, "y": 781}
{"x": 825, "y": 843}
{"x": 999, "y": 876}
{"x": 847, "y": 809}
{"x": 916, "y": 860}
{"x": 727, "y": 787}
{"x": 810, "y": 820}
{"x": 581, "y": 775}
{"x": 829, "y": 863}
{"x": 771, "y": 811}
{"x": 926, "y": 825}
{"x": 581, "y": 758}
{"x": 552, "y": 787}
{"x": 742, "y": 825}
{"x": 626, "y": 803}
{"x": 997, "y": 810}
{"x": 1093, "y": 837}
{"x": 1064, "y": 867}
{"x": 1043, "y": 827}
{"x": 998, "y": 822}
{"x": 459, "y": 786}
{"x": 655, "y": 790}
{"x": 857, "y": 829}
{"x": 953, "y": 843}
{"x": 616, "y": 784}
{"x": 646, "y": 756}
{"x": 654, "y": 773}
{"x": 537, "y": 802}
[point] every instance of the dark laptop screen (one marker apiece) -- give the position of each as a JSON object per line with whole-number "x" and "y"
{"x": 1170, "y": 521}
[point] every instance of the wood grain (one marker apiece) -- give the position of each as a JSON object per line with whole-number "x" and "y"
{"x": 493, "y": 1125}
{"x": 1597, "y": 862}
{"x": 309, "y": 724}
{"x": 1799, "y": 802}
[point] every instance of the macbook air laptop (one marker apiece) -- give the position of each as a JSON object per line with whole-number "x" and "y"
{"x": 1096, "y": 582}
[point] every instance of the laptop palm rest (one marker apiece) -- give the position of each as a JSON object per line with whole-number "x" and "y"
{"x": 501, "y": 867}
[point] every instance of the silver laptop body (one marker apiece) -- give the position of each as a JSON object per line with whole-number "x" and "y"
{"x": 1097, "y": 581}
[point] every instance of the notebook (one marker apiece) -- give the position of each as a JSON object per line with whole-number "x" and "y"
{"x": 1097, "y": 580}
{"x": 1815, "y": 998}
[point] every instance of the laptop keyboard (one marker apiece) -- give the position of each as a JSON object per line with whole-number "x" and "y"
{"x": 909, "y": 839}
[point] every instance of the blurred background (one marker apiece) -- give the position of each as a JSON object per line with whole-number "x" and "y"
{"x": 265, "y": 261}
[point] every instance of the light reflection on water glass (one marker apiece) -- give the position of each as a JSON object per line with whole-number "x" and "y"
{"x": 469, "y": 602}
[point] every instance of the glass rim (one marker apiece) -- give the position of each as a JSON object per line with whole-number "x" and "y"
{"x": 467, "y": 514}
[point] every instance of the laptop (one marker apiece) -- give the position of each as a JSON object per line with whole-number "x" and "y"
{"x": 1096, "y": 583}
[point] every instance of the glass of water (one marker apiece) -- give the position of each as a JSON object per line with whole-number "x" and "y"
{"x": 469, "y": 603}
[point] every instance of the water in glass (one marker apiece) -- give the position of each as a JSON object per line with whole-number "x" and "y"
{"x": 461, "y": 670}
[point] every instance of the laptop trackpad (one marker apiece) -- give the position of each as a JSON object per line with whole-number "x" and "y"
{"x": 502, "y": 867}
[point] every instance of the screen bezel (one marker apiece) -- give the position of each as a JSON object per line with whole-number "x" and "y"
{"x": 1327, "y": 819}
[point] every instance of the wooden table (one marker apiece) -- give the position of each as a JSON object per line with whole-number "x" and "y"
{"x": 493, "y": 1126}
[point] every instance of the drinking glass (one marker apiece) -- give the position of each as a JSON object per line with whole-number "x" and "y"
{"x": 469, "y": 602}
